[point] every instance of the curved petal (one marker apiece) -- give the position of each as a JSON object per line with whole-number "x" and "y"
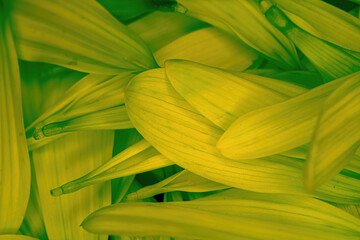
{"x": 80, "y": 35}
{"x": 14, "y": 156}
{"x": 188, "y": 139}
{"x": 336, "y": 136}
{"x": 232, "y": 215}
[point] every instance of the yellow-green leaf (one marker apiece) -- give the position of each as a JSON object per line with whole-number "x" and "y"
{"x": 279, "y": 127}
{"x": 14, "y": 157}
{"x": 233, "y": 216}
{"x": 209, "y": 46}
{"x": 336, "y": 136}
{"x": 80, "y": 35}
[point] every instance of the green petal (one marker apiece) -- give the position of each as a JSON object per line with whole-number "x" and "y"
{"x": 181, "y": 181}
{"x": 188, "y": 139}
{"x": 65, "y": 159}
{"x": 277, "y": 128}
{"x": 336, "y": 136}
{"x": 209, "y": 46}
{"x": 324, "y": 21}
{"x": 245, "y": 20}
{"x": 331, "y": 61}
{"x": 161, "y": 28}
{"x": 138, "y": 158}
{"x": 242, "y": 215}
{"x": 205, "y": 89}
{"x": 80, "y": 35}
{"x": 14, "y": 156}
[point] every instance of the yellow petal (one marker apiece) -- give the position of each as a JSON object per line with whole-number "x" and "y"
{"x": 181, "y": 181}
{"x": 245, "y": 20}
{"x": 277, "y": 128}
{"x": 61, "y": 161}
{"x": 16, "y": 237}
{"x": 161, "y": 28}
{"x": 188, "y": 139}
{"x": 336, "y": 136}
{"x": 233, "y": 215}
{"x": 324, "y": 21}
{"x": 330, "y": 60}
{"x": 94, "y": 102}
{"x": 14, "y": 155}
{"x": 305, "y": 79}
{"x": 33, "y": 223}
{"x": 218, "y": 95}
{"x": 209, "y": 46}
{"x": 80, "y": 35}
{"x": 138, "y": 158}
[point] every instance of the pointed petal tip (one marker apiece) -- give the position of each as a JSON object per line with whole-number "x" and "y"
{"x": 223, "y": 146}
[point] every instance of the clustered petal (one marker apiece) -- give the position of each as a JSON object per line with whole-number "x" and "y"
{"x": 179, "y": 119}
